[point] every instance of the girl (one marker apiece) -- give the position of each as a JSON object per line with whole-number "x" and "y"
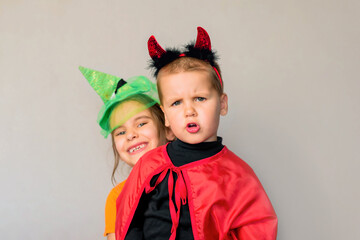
{"x": 132, "y": 115}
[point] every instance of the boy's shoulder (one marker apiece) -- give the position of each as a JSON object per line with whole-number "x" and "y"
{"x": 228, "y": 161}
{"x": 232, "y": 157}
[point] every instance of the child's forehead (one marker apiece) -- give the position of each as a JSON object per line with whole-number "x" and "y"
{"x": 124, "y": 111}
{"x": 180, "y": 76}
{"x": 127, "y": 105}
{"x": 177, "y": 84}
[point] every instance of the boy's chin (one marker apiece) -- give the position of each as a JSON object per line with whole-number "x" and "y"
{"x": 194, "y": 140}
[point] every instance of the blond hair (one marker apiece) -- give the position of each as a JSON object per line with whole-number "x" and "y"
{"x": 188, "y": 64}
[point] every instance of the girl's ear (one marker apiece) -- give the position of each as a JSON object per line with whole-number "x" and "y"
{"x": 223, "y": 104}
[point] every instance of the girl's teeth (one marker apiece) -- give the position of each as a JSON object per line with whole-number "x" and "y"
{"x": 136, "y": 148}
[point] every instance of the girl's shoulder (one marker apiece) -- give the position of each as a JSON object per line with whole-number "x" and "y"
{"x": 115, "y": 192}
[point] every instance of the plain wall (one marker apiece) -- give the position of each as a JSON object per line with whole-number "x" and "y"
{"x": 290, "y": 68}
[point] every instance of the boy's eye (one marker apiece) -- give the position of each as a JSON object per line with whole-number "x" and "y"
{"x": 200, "y": 99}
{"x": 175, "y": 103}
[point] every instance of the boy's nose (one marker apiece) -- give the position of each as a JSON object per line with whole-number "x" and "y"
{"x": 190, "y": 111}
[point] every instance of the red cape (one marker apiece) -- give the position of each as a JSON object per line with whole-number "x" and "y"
{"x": 226, "y": 199}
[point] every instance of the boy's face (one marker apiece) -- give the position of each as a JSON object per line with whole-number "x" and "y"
{"x": 192, "y": 106}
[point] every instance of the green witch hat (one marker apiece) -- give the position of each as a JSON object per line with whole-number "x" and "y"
{"x": 114, "y": 90}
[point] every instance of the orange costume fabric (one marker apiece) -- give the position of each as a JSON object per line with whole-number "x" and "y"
{"x": 110, "y": 208}
{"x": 226, "y": 200}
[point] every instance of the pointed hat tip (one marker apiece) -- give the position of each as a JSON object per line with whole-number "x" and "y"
{"x": 82, "y": 69}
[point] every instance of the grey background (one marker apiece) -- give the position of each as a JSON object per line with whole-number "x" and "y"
{"x": 291, "y": 70}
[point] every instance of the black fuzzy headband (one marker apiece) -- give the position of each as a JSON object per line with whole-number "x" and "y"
{"x": 200, "y": 50}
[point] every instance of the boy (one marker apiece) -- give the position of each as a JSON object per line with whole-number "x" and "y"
{"x": 194, "y": 187}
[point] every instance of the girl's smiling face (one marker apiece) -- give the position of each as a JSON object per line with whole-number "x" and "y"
{"x": 137, "y": 135}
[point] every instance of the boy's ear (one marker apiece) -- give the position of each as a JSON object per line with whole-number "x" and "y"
{"x": 169, "y": 135}
{"x": 223, "y": 104}
{"x": 167, "y": 124}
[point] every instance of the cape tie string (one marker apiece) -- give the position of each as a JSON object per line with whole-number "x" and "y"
{"x": 180, "y": 195}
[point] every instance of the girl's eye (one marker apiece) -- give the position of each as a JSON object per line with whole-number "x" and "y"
{"x": 176, "y": 103}
{"x": 200, "y": 99}
{"x": 120, "y": 133}
{"x": 141, "y": 124}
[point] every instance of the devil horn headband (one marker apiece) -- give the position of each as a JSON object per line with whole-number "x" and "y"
{"x": 155, "y": 50}
{"x": 202, "y": 39}
{"x": 202, "y": 42}
{"x": 200, "y": 50}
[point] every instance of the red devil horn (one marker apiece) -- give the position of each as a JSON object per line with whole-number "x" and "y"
{"x": 203, "y": 39}
{"x": 155, "y": 50}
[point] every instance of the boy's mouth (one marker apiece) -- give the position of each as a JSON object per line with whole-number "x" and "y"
{"x": 192, "y": 127}
{"x": 136, "y": 148}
